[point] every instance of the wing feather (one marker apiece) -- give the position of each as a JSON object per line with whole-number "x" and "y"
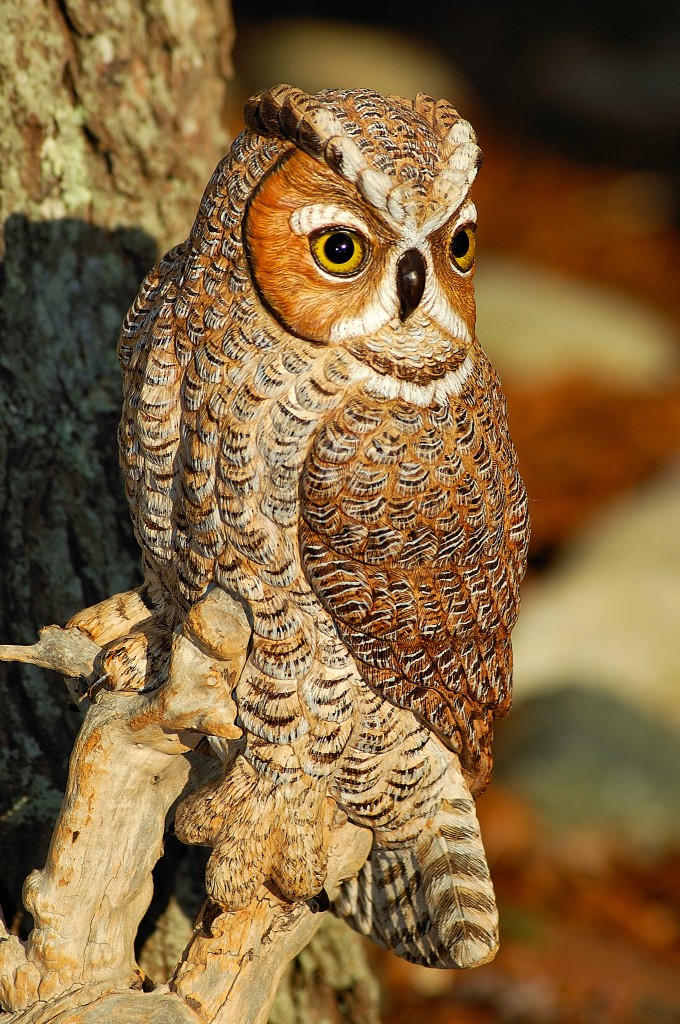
{"x": 421, "y": 577}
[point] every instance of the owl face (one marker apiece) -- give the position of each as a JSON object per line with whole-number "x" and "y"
{"x": 384, "y": 270}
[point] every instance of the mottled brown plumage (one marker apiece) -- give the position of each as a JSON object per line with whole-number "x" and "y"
{"x": 310, "y": 423}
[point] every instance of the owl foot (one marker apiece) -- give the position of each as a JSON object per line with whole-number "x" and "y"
{"x": 136, "y": 661}
{"x": 114, "y": 617}
{"x": 260, "y": 831}
{"x": 319, "y": 903}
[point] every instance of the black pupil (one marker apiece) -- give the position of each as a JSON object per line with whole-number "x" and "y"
{"x": 460, "y": 245}
{"x": 339, "y": 248}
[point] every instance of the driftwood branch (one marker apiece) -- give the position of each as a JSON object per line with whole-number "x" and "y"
{"x": 133, "y": 759}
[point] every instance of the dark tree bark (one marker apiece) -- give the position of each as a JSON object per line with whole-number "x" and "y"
{"x": 111, "y": 121}
{"x": 110, "y": 127}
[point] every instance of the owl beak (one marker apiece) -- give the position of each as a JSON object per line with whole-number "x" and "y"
{"x": 410, "y": 282}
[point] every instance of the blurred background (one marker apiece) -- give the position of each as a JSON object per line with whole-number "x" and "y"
{"x": 577, "y": 108}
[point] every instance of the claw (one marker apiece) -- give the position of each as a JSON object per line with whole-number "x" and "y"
{"x": 319, "y": 903}
{"x": 207, "y": 916}
{"x": 99, "y": 684}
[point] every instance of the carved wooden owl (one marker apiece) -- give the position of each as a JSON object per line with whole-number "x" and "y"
{"x": 310, "y": 424}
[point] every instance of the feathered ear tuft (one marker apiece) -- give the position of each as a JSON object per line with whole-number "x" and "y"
{"x": 261, "y": 112}
{"x": 292, "y": 115}
{"x": 288, "y": 113}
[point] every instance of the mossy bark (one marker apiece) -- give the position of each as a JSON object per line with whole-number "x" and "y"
{"x": 110, "y": 127}
{"x": 111, "y": 123}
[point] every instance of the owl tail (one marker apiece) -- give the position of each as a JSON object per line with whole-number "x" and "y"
{"x": 433, "y": 902}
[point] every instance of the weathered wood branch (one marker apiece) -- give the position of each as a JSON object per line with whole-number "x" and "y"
{"x": 133, "y": 759}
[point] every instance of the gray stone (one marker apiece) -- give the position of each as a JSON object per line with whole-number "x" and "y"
{"x": 609, "y": 612}
{"x": 589, "y": 760}
{"x": 536, "y": 324}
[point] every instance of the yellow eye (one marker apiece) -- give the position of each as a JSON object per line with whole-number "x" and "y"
{"x": 339, "y": 250}
{"x": 462, "y": 248}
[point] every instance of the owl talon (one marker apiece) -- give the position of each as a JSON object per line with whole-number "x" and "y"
{"x": 100, "y": 683}
{"x": 207, "y": 916}
{"x": 319, "y": 903}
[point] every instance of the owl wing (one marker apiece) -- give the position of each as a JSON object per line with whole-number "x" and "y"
{"x": 152, "y": 365}
{"x": 163, "y": 343}
{"x": 413, "y": 536}
{"x": 174, "y": 365}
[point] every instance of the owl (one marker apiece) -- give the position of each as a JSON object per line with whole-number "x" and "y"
{"x": 311, "y": 425}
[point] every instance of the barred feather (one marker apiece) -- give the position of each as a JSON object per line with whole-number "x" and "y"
{"x": 433, "y": 903}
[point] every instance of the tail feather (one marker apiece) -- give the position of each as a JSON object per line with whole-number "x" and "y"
{"x": 431, "y": 903}
{"x": 386, "y": 902}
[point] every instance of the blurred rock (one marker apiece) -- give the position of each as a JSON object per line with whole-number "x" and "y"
{"x": 589, "y": 760}
{"x": 608, "y": 614}
{"x": 536, "y": 324}
{"x": 317, "y": 54}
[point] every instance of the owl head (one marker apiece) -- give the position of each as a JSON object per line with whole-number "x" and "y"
{"x": 354, "y": 225}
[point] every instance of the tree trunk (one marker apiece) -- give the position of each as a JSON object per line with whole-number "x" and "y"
{"x": 110, "y": 125}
